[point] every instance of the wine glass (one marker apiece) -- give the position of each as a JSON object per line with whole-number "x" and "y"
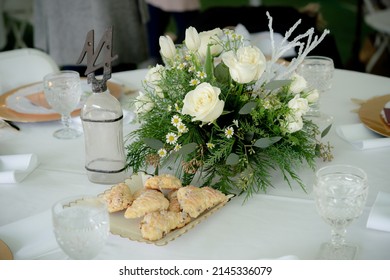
{"x": 63, "y": 92}
{"x": 318, "y": 72}
{"x": 340, "y": 193}
{"x": 81, "y": 226}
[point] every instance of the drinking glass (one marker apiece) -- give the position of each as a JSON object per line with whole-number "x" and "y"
{"x": 63, "y": 92}
{"x": 81, "y": 226}
{"x": 318, "y": 72}
{"x": 340, "y": 193}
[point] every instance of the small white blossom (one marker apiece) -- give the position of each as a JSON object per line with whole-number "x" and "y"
{"x": 235, "y": 122}
{"x": 181, "y": 127}
{"x": 171, "y": 138}
{"x": 191, "y": 69}
{"x": 194, "y": 82}
{"x": 177, "y": 147}
{"x": 201, "y": 75}
{"x": 229, "y": 132}
{"x": 162, "y": 152}
{"x": 210, "y": 145}
{"x": 175, "y": 120}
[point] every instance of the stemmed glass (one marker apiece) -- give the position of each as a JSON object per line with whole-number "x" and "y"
{"x": 81, "y": 226}
{"x": 63, "y": 92}
{"x": 340, "y": 193}
{"x": 318, "y": 72}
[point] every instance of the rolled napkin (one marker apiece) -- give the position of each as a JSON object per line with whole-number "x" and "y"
{"x": 361, "y": 137}
{"x": 379, "y": 217}
{"x": 14, "y": 168}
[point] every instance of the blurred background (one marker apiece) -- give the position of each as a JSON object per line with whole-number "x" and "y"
{"x": 344, "y": 18}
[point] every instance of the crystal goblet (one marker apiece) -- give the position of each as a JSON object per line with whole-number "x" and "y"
{"x": 318, "y": 73}
{"x": 63, "y": 92}
{"x": 340, "y": 193}
{"x": 81, "y": 226}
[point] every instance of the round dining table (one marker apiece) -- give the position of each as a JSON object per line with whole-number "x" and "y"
{"x": 281, "y": 222}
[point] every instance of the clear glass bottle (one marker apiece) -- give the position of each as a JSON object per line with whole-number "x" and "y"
{"x": 102, "y": 119}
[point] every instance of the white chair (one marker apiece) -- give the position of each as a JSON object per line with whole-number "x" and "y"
{"x": 379, "y": 20}
{"x": 24, "y": 66}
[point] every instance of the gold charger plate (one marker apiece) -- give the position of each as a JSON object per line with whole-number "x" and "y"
{"x": 129, "y": 228}
{"x": 11, "y": 115}
{"x": 370, "y": 115}
{"x": 5, "y": 252}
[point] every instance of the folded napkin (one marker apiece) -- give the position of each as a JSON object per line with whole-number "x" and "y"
{"x": 14, "y": 168}
{"x": 30, "y": 238}
{"x": 379, "y": 217}
{"x": 361, "y": 137}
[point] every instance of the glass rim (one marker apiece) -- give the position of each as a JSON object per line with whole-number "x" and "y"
{"x": 360, "y": 172}
{"x": 72, "y": 200}
{"x": 57, "y": 73}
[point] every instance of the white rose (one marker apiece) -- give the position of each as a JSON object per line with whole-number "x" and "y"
{"x": 192, "y": 40}
{"x": 203, "y": 103}
{"x": 167, "y": 47}
{"x": 313, "y": 96}
{"x": 294, "y": 123}
{"x": 299, "y": 105}
{"x": 211, "y": 37}
{"x": 154, "y": 76}
{"x": 143, "y": 104}
{"x": 246, "y": 65}
{"x": 298, "y": 83}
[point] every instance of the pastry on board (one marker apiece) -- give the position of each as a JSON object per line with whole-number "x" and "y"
{"x": 163, "y": 182}
{"x": 118, "y": 198}
{"x": 174, "y": 204}
{"x": 195, "y": 201}
{"x": 148, "y": 201}
{"x": 156, "y": 225}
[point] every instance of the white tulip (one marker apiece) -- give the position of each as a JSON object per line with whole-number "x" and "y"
{"x": 212, "y": 38}
{"x": 192, "y": 40}
{"x": 203, "y": 103}
{"x": 167, "y": 47}
{"x": 246, "y": 65}
{"x": 294, "y": 124}
{"x": 313, "y": 96}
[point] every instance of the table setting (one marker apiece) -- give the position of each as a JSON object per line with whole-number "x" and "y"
{"x": 206, "y": 123}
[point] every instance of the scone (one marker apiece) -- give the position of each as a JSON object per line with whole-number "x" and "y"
{"x": 156, "y": 225}
{"x": 195, "y": 201}
{"x": 163, "y": 182}
{"x": 118, "y": 198}
{"x": 148, "y": 201}
{"x": 174, "y": 204}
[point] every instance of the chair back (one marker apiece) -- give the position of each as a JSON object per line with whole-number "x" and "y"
{"x": 24, "y": 66}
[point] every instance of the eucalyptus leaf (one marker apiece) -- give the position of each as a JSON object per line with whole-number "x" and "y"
{"x": 325, "y": 131}
{"x": 187, "y": 148}
{"x": 153, "y": 143}
{"x": 247, "y": 108}
{"x": 277, "y": 84}
{"x": 266, "y": 142}
{"x": 232, "y": 159}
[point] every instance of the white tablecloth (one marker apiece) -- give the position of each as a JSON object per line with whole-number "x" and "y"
{"x": 282, "y": 222}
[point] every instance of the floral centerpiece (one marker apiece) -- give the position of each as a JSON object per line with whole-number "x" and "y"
{"x": 219, "y": 109}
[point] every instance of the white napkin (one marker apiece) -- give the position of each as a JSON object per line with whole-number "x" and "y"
{"x": 14, "y": 168}
{"x": 379, "y": 217}
{"x": 30, "y": 238}
{"x": 361, "y": 137}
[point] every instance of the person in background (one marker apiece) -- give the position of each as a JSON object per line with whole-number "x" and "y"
{"x": 61, "y": 27}
{"x": 183, "y": 12}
